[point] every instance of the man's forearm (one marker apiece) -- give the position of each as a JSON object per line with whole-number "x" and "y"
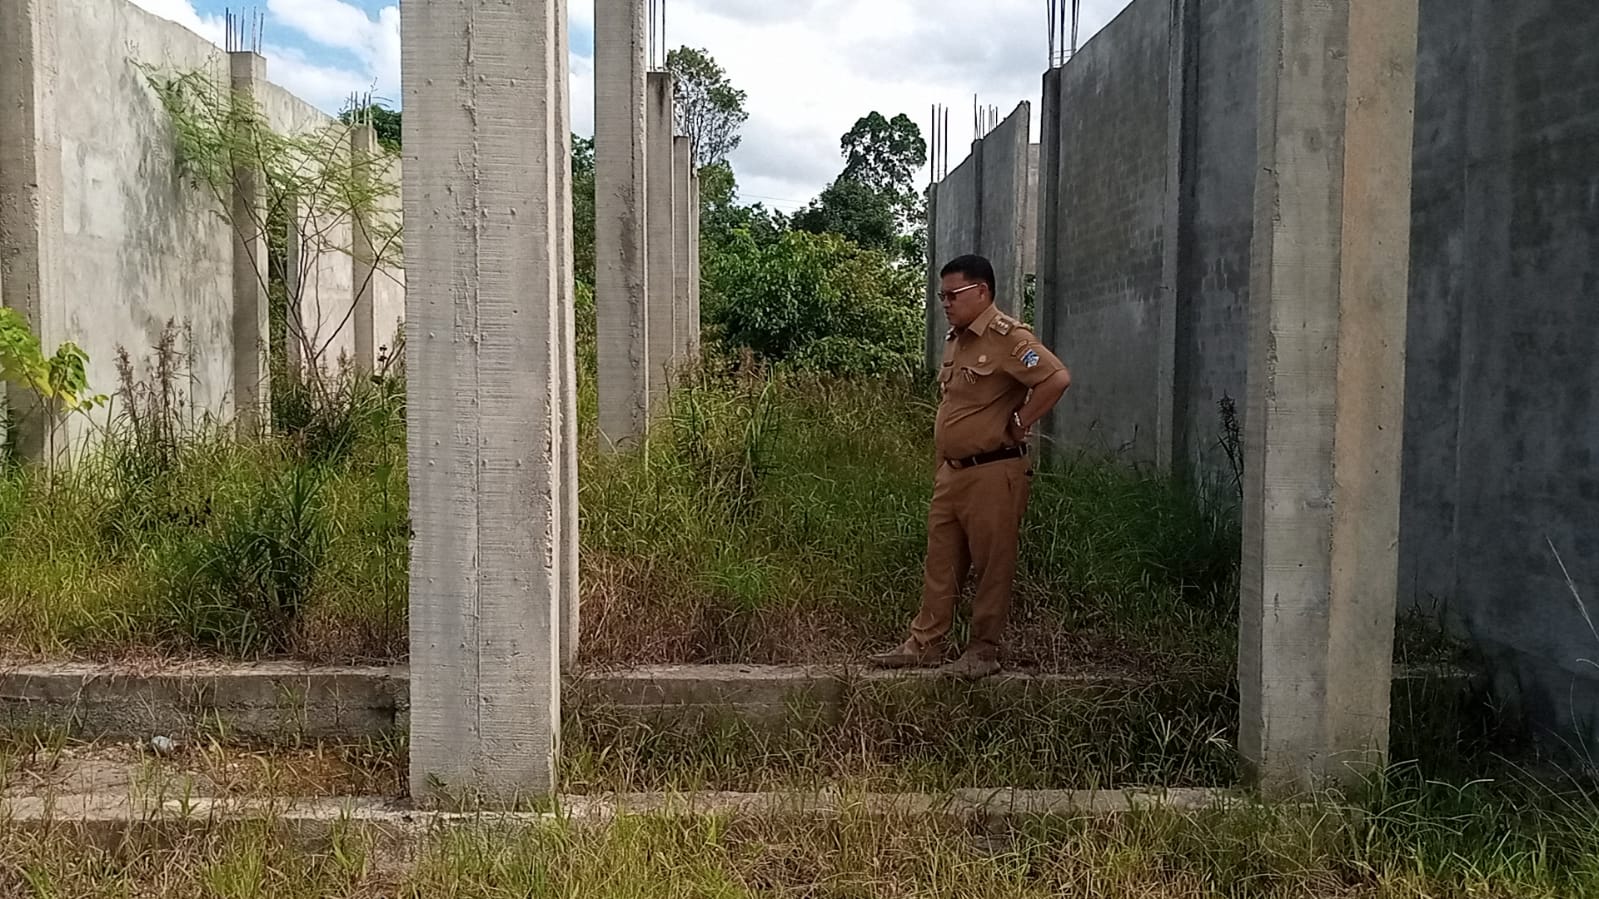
{"x": 1043, "y": 398}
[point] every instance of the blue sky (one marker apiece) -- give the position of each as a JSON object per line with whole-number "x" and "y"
{"x": 810, "y": 67}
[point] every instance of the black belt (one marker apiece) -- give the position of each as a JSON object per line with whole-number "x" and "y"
{"x": 1009, "y": 452}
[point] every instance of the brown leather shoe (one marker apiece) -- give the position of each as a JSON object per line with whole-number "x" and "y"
{"x": 909, "y": 654}
{"x": 972, "y": 666}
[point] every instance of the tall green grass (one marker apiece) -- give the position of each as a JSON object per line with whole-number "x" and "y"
{"x": 1411, "y": 841}
{"x": 768, "y": 517}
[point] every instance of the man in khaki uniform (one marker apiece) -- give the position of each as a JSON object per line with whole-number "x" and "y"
{"x": 996, "y": 382}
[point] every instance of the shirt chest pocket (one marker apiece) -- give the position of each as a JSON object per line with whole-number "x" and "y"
{"x": 971, "y": 379}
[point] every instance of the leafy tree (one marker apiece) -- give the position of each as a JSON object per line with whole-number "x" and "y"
{"x": 709, "y": 109}
{"x": 873, "y": 202}
{"x": 854, "y": 211}
{"x": 583, "y": 208}
{"x": 883, "y": 153}
{"x": 816, "y": 301}
{"x": 385, "y": 121}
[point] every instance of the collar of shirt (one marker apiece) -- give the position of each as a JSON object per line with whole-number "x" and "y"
{"x": 979, "y": 325}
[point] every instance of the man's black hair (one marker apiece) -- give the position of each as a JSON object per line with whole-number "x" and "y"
{"x": 973, "y": 268}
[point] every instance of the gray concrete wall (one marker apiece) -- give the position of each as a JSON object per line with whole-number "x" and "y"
{"x": 986, "y": 206}
{"x": 1217, "y": 226}
{"x": 143, "y": 246}
{"x": 1501, "y": 449}
{"x": 1503, "y": 426}
{"x": 1006, "y": 207}
{"x": 327, "y": 298}
{"x": 1110, "y": 238}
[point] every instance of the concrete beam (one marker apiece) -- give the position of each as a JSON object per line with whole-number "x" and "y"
{"x": 621, "y": 246}
{"x": 683, "y": 226}
{"x": 483, "y": 207}
{"x": 363, "y": 255}
{"x": 252, "y": 329}
{"x": 660, "y": 216}
{"x": 1326, "y": 387}
{"x": 31, "y": 212}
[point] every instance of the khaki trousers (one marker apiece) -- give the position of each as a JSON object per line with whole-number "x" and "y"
{"x": 973, "y": 527}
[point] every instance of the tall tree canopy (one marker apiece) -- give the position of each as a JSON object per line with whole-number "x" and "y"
{"x": 709, "y": 109}
{"x": 883, "y": 153}
{"x": 872, "y": 203}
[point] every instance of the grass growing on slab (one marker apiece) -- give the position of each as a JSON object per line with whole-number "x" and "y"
{"x": 1408, "y": 840}
{"x": 911, "y": 737}
{"x": 769, "y": 517}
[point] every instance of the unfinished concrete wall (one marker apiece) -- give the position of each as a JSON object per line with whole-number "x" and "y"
{"x": 1110, "y": 238}
{"x": 1216, "y": 227}
{"x": 146, "y": 246}
{"x": 986, "y": 206}
{"x": 1502, "y": 431}
{"x": 1499, "y": 441}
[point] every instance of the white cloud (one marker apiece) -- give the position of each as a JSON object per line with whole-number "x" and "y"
{"x": 810, "y": 67}
{"x": 212, "y": 28}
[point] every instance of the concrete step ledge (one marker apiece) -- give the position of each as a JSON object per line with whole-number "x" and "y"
{"x": 274, "y": 701}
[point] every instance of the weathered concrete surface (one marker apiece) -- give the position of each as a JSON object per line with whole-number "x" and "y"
{"x": 621, "y": 282}
{"x": 1326, "y": 398}
{"x": 484, "y": 210}
{"x": 266, "y": 701}
{"x": 660, "y": 218}
{"x": 1221, "y": 101}
{"x": 363, "y": 255}
{"x": 1006, "y": 206}
{"x": 30, "y": 197}
{"x": 252, "y": 333}
{"x": 684, "y": 224}
{"x": 1114, "y": 158}
{"x": 985, "y": 206}
{"x": 566, "y": 365}
{"x": 1502, "y": 414}
{"x": 148, "y": 246}
{"x": 1048, "y": 295}
{"x": 278, "y": 701}
{"x": 327, "y": 240}
{"x": 695, "y": 271}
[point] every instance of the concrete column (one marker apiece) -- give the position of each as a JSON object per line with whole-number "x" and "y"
{"x": 660, "y": 217}
{"x": 566, "y": 367}
{"x": 932, "y": 329}
{"x": 682, "y": 246}
{"x": 1046, "y": 290}
{"x": 294, "y": 341}
{"x": 621, "y": 288}
{"x": 487, "y": 266}
{"x": 694, "y": 271}
{"x": 30, "y": 203}
{"x": 252, "y": 328}
{"x": 363, "y": 256}
{"x": 1326, "y": 387}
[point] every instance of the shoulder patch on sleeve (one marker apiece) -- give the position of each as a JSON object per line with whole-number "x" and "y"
{"x": 1030, "y": 359}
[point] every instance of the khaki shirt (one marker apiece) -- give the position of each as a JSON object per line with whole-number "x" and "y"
{"x": 988, "y": 370}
